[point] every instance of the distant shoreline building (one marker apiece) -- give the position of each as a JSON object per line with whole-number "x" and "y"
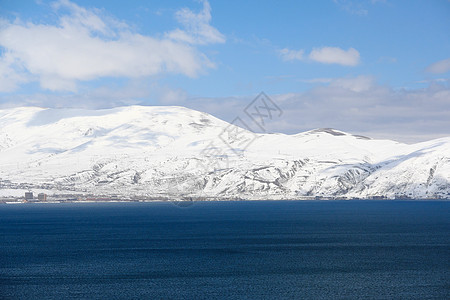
{"x": 29, "y": 196}
{"x": 42, "y": 197}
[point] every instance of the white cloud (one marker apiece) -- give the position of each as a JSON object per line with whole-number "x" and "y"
{"x": 168, "y": 96}
{"x": 356, "y": 105}
{"x": 86, "y": 45}
{"x": 10, "y": 79}
{"x": 80, "y": 17}
{"x": 316, "y": 80}
{"x": 334, "y": 55}
{"x": 387, "y": 59}
{"x": 197, "y": 27}
{"x": 357, "y": 84}
{"x": 288, "y": 54}
{"x": 325, "y": 55}
{"x": 442, "y": 66}
{"x": 120, "y": 93}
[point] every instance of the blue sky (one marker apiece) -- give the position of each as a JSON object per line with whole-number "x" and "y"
{"x": 379, "y": 68}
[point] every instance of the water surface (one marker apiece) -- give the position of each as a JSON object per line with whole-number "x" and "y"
{"x": 234, "y": 250}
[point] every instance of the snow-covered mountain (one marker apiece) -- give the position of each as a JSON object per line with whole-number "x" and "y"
{"x": 175, "y": 151}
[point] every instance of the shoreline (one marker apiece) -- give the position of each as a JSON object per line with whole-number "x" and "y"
{"x": 181, "y": 202}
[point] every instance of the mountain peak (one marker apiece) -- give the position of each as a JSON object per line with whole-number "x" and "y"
{"x": 331, "y": 131}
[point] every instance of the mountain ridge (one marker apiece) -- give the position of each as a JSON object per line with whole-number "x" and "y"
{"x": 172, "y": 151}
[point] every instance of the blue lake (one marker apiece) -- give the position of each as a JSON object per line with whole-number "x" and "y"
{"x": 231, "y": 250}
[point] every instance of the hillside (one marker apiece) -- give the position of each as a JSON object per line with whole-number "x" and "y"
{"x": 175, "y": 151}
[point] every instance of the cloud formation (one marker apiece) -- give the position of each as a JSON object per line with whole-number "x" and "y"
{"x": 334, "y": 55}
{"x": 85, "y": 45}
{"x": 289, "y": 54}
{"x": 357, "y": 84}
{"x": 357, "y": 105}
{"x": 440, "y": 67}
{"x": 197, "y": 27}
{"x": 325, "y": 55}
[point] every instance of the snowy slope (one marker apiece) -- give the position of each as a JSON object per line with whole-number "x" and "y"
{"x": 173, "y": 151}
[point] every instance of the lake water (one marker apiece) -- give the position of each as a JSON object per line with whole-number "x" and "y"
{"x": 231, "y": 250}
